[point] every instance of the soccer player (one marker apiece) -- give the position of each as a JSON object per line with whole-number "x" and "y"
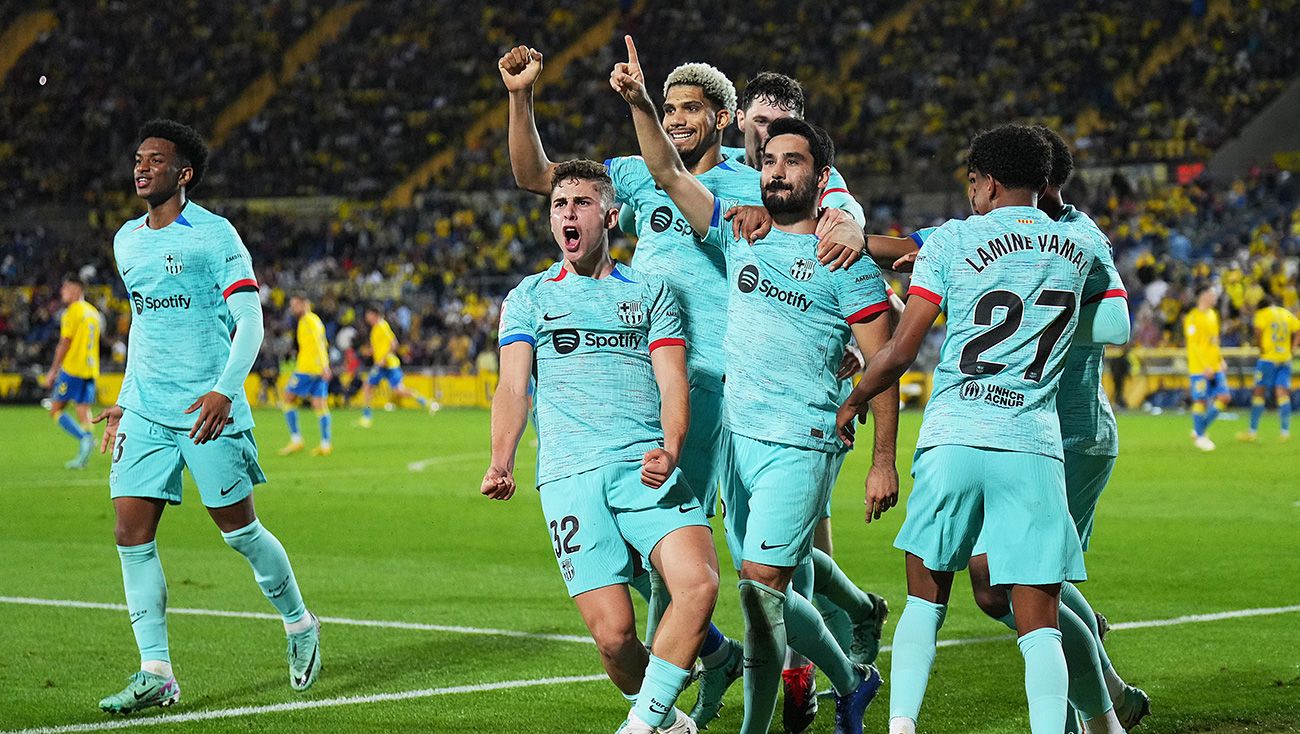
{"x": 607, "y": 469}
{"x": 387, "y": 367}
{"x": 1010, "y": 281}
{"x": 786, "y": 315}
{"x": 310, "y": 380}
{"x": 195, "y": 333}
{"x": 75, "y": 367}
{"x": 1205, "y": 365}
{"x": 1277, "y": 331}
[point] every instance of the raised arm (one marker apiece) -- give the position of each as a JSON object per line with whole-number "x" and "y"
{"x": 1104, "y": 321}
{"x": 520, "y": 67}
{"x": 694, "y": 201}
{"x": 509, "y": 418}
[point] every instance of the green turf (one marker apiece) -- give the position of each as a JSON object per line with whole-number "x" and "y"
{"x": 1179, "y": 532}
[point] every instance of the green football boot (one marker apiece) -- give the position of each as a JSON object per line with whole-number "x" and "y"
{"x": 304, "y": 656}
{"x": 867, "y": 631}
{"x": 714, "y": 683}
{"x": 143, "y": 691}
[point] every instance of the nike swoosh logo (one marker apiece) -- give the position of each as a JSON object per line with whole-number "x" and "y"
{"x": 310, "y": 664}
{"x": 124, "y": 272}
{"x": 226, "y": 491}
{"x": 765, "y": 546}
{"x": 684, "y": 509}
{"x": 549, "y": 317}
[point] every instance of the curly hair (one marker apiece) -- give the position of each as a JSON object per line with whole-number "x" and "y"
{"x": 718, "y": 89}
{"x": 1062, "y": 159}
{"x": 823, "y": 150}
{"x": 778, "y": 89}
{"x": 189, "y": 144}
{"x": 585, "y": 170}
{"x": 1015, "y": 155}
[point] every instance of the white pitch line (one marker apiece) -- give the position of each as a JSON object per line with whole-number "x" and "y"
{"x": 455, "y": 629}
{"x": 421, "y": 465}
{"x": 302, "y": 705}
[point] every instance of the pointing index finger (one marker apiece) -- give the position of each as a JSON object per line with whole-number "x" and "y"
{"x": 631, "y": 50}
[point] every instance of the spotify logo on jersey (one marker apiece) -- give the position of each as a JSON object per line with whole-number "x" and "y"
{"x": 566, "y": 340}
{"x": 661, "y": 218}
{"x": 748, "y": 279}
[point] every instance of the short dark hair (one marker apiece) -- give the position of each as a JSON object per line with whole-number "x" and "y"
{"x": 74, "y": 280}
{"x": 782, "y": 91}
{"x": 189, "y": 144}
{"x": 374, "y": 307}
{"x": 1062, "y": 159}
{"x": 1015, "y": 155}
{"x": 1264, "y": 301}
{"x": 823, "y": 150}
{"x": 585, "y": 170}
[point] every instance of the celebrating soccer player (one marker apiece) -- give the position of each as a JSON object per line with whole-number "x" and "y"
{"x": 607, "y": 469}
{"x": 1205, "y": 365}
{"x": 1277, "y": 331}
{"x": 195, "y": 332}
{"x": 387, "y": 367}
{"x": 75, "y": 368}
{"x": 311, "y": 378}
{"x": 788, "y": 323}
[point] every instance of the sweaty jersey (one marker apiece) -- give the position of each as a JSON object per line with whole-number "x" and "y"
{"x": 788, "y": 323}
{"x": 1201, "y": 328}
{"x": 1011, "y": 283}
{"x": 179, "y": 278}
{"x": 81, "y": 326}
{"x": 668, "y": 248}
{"x": 835, "y": 196}
{"x": 1277, "y": 328}
{"x": 313, "y": 350}
{"x": 383, "y": 345}
{"x": 596, "y": 401}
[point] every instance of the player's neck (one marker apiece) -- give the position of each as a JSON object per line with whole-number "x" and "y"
{"x": 1016, "y": 198}
{"x": 163, "y": 214}
{"x": 796, "y": 222}
{"x": 597, "y": 265}
{"x": 1051, "y": 203}
{"x": 711, "y": 157}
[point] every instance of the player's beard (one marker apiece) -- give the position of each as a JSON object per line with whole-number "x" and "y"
{"x": 797, "y": 199}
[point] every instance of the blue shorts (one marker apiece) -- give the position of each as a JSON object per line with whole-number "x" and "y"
{"x": 1208, "y": 388}
{"x": 1016, "y": 500}
{"x": 304, "y": 385}
{"x": 602, "y": 521}
{"x": 1273, "y": 375}
{"x": 148, "y": 458}
{"x": 69, "y": 389}
{"x": 701, "y": 451}
{"x": 379, "y": 374}
{"x": 773, "y": 496}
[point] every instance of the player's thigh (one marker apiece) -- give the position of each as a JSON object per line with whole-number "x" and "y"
{"x": 702, "y": 459}
{"x": 225, "y": 469}
{"x": 787, "y": 490}
{"x": 1030, "y": 536}
{"x": 733, "y": 497}
{"x": 645, "y": 515}
{"x": 945, "y": 510}
{"x": 1086, "y": 477}
{"x": 1219, "y": 385}
{"x": 146, "y": 460}
{"x": 588, "y": 547}
{"x": 1265, "y": 374}
{"x": 1199, "y": 387}
{"x": 608, "y": 613}
{"x": 688, "y": 563}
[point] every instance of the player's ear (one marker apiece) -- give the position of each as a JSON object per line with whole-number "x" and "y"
{"x": 186, "y": 175}
{"x": 823, "y": 178}
{"x": 724, "y": 119}
{"x": 611, "y": 218}
{"x": 740, "y": 120}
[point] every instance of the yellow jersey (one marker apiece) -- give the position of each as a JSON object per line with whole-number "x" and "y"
{"x": 383, "y": 345}
{"x": 1276, "y": 328}
{"x": 81, "y": 326}
{"x": 313, "y": 350}
{"x": 1201, "y": 327}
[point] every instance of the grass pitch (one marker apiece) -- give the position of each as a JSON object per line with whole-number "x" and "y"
{"x": 392, "y": 529}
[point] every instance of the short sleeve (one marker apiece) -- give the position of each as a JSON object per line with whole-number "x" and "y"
{"x": 1103, "y": 279}
{"x": 1189, "y": 325}
{"x": 930, "y": 271}
{"x": 1261, "y": 319}
{"x": 665, "y": 318}
{"x": 518, "y": 319}
{"x": 719, "y": 234}
{"x": 67, "y": 324}
{"x": 860, "y": 291}
{"x": 921, "y": 235}
{"x": 1295, "y": 322}
{"x": 233, "y": 266}
{"x": 837, "y": 196}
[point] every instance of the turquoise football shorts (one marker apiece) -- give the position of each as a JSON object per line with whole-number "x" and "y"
{"x": 148, "y": 458}
{"x": 701, "y": 451}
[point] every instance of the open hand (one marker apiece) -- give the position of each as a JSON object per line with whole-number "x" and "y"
{"x": 520, "y": 68}
{"x": 850, "y": 411}
{"x": 110, "y": 417}
{"x": 842, "y": 240}
{"x": 904, "y": 264}
{"x": 882, "y": 490}
{"x": 214, "y": 415}
{"x": 750, "y": 223}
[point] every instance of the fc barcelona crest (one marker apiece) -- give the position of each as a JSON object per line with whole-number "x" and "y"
{"x": 802, "y": 269}
{"x": 172, "y": 264}
{"x": 631, "y": 313}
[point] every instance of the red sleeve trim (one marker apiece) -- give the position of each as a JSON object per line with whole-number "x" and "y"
{"x": 239, "y": 285}
{"x": 928, "y": 295}
{"x": 1112, "y": 293}
{"x": 828, "y": 192}
{"x": 868, "y": 312}
{"x": 667, "y": 342}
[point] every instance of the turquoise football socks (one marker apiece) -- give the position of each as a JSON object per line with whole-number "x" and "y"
{"x": 915, "y": 638}
{"x": 662, "y": 685}
{"x": 271, "y": 569}
{"x": 1046, "y": 679}
{"x": 146, "y": 599}
{"x": 806, "y": 632}
{"x": 765, "y": 642}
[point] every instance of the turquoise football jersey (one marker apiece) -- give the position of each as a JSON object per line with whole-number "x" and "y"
{"x": 596, "y": 399}
{"x": 178, "y": 278}
{"x": 835, "y": 196}
{"x": 1010, "y": 283}
{"x": 788, "y": 322}
{"x": 668, "y": 247}
{"x": 1087, "y": 421}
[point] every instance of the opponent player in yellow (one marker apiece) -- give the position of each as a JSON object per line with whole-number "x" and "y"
{"x": 75, "y": 367}
{"x": 387, "y": 366}
{"x": 1205, "y": 365}
{"x": 1277, "y": 331}
{"x": 311, "y": 378}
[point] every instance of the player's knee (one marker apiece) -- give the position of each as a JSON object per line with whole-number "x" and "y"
{"x": 614, "y": 638}
{"x": 772, "y": 577}
{"x": 992, "y": 601}
{"x": 698, "y": 592}
{"x": 126, "y": 534}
